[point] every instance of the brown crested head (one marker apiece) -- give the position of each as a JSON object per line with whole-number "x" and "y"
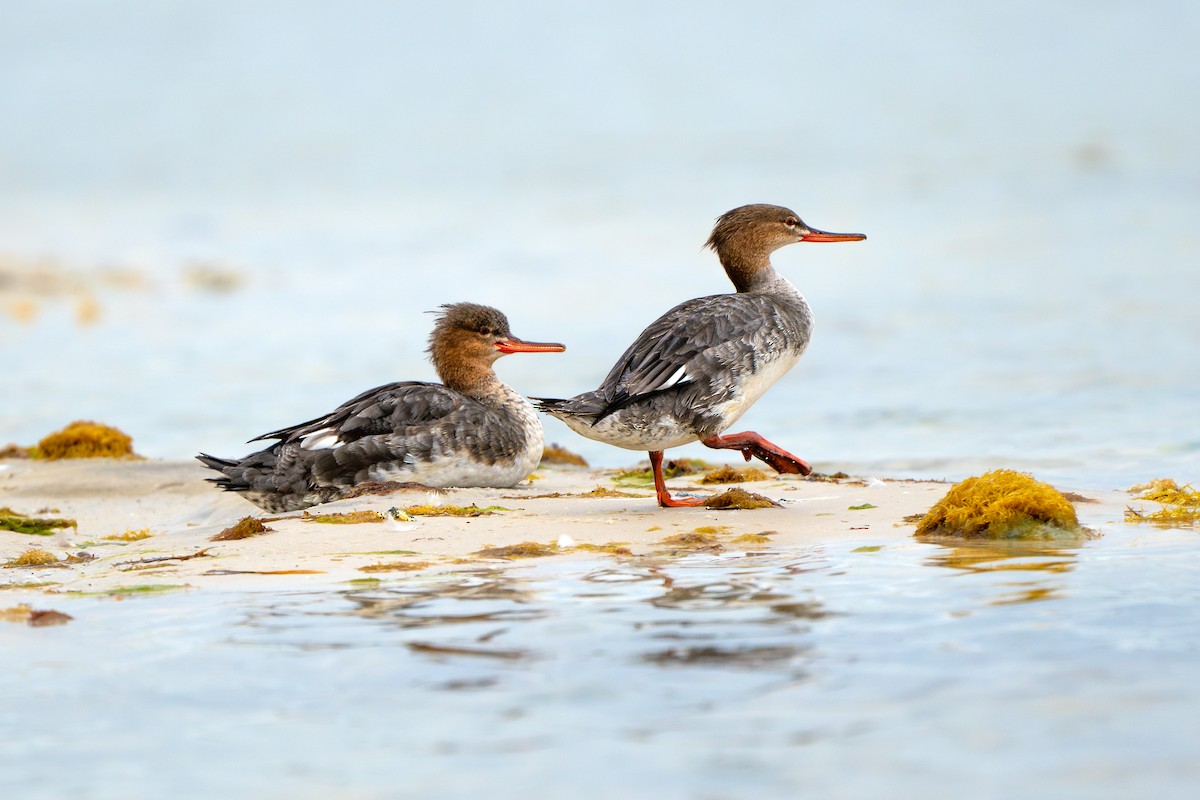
{"x": 745, "y": 237}
{"x": 466, "y": 340}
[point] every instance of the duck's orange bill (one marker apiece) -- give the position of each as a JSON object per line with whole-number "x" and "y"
{"x": 825, "y": 236}
{"x": 515, "y": 345}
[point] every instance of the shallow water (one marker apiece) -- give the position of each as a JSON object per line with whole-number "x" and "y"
{"x": 854, "y": 668}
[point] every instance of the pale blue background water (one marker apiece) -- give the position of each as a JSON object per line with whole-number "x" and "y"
{"x": 1028, "y": 174}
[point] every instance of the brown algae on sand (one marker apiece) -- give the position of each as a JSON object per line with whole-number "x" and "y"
{"x": 601, "y": 491}
{"x": 611, "y": 548}
{"x": 728, "y": 474}
{"x": 34, "y": 526}
{"x": 1180, "y": 504}
{"x": 519, "y": 550}
{"x": 397, "y": 566}
{"x": 554, "y": 454}
{"x": 1002, "y": 504}
{"x": 739, "y": 498}
{"x": 699, "y": 539}
{"x": 14, "y": 450}
{"x": 34, "y": 617}
{"x": 85, "y": 439}
{"x": 244, "y": 528}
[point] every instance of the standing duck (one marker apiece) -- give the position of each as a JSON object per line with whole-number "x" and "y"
{"x": 691, "y": 374}
{"x": 472, "y": 430}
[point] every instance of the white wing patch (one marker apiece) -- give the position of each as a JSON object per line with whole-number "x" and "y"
{"x": 680, "y": 376}
{"x": 324, "y": 439}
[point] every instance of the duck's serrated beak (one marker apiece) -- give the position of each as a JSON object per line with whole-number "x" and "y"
{"x": 514, "y": 345}
{"x": 815, "y": 235}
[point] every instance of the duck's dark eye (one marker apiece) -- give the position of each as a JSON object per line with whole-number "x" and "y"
{"x": 485, "y": 331}
{"x": 790, "y": 222}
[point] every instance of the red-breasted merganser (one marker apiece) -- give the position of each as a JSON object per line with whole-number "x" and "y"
{"x": 472, "y": 431}
{"x": 700, "y": 366}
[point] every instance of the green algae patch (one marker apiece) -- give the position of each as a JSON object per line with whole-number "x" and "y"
{"x": 739, "y": 498}
{"x": 863, "y": 507}
{"x": 869, "y": 548}
{"x": 519, "y": 550}
{"x": 32, "y": 526}
{"x": 244, "y": 528}
{"x": 34, "y": 557}
{"x": 1180, "y": 504}
{"x": 345, "y": 518}
{"x": 728, "y": 474}
{"x": 753, "y": 538}
{"x": 85, "y": 439}
{"x": 397, "y": 566}
{"x": 1002, "y": 504}
{"x": 671, "y": 469}
{"x": 134, "y": 591}
{"x": 454, "y": 511}
{"x": 554, "y": 454}
{"x": 129, "y": 536}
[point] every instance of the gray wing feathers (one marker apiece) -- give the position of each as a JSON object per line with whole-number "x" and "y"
{"x": 707, "y": 339}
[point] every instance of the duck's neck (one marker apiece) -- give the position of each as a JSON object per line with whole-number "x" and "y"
{"x": 474, "y": 379}
{"x": 754, "y": 273}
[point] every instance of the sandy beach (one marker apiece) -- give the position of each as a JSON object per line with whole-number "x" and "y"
{"x": 564, "y": 509}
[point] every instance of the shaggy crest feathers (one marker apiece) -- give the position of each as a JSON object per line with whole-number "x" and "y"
{"x": 471, "y": 317}
{"x": 746, "y": 226}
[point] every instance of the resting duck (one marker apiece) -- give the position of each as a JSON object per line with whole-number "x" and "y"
{"x": 471, "y": 430}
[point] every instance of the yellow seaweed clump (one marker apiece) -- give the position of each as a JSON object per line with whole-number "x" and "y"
{"x": 1180, "y": 504}
{"x": 453, "y": 511}
{"x": 34, "y": 557}
{"x": 84, "y": 439}
{"x": 1002, "y": 504}
{"x": 343, "y": 518}
{"x": 129, "y": 536}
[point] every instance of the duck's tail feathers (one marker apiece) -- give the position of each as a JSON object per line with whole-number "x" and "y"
{"x": 223, "y": 466}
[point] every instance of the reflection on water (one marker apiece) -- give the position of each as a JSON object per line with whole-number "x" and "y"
{"x": 840, "y": 670}
{"x": 1043, "y": 559}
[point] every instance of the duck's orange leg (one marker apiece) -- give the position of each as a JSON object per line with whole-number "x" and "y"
{"x": 751, "y": 444}
{"x": 660, "y": 487}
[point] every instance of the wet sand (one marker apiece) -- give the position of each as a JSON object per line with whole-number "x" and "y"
{"x": 182, "y": 512}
